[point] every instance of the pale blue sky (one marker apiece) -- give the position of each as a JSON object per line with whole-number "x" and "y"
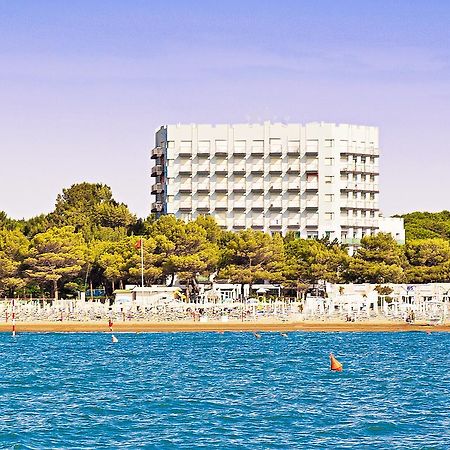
{"x": 84, "y": 85}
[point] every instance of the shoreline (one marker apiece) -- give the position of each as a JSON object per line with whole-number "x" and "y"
{"x": 268, "y": 326}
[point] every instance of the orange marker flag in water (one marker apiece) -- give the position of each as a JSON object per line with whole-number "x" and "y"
{"x": 335, "y": 364}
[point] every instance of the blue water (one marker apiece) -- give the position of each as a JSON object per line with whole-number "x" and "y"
{"x": 207, "y": 390}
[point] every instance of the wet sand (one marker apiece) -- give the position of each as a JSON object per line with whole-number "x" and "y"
{"x": 276, "y": 326}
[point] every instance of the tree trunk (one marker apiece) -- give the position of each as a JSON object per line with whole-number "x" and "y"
{"x": 55, "y": 290}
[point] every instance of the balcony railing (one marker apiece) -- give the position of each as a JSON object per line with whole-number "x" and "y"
{"x": 203, "y": 186}
{"x": 312, "y": 185}
{"x": 157, "y": 207}
{"x": 157, "y": 152}
{"x": 312, "y": 203}
{"x": 275, "y": 167}
{"x": 157, "y": 171}
{"x": 239, "y": 167}
{"x": 276, "y": 187}
{"x": 276, "y": 149}
{"x": 257, "y": 150}
{"x": 157, "y": 188}
{"x": 257, "y": 166}
{"x": 203, "y": 204}
{"x": 221, "y": 167}
{"x": 203, "y": 167}
{"x": 312, "y": 166}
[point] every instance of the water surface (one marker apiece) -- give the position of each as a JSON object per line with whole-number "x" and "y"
{"x": 209, "y": 390}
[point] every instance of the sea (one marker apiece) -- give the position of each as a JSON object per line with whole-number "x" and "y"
{"x": 224, "y": 391}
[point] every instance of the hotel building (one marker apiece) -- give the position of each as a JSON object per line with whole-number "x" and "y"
{"x": 317, "y": 179}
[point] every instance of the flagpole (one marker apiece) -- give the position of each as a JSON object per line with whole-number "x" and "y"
{"x": 142, "y": 262}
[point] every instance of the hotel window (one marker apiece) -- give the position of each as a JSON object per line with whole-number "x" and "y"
{"x": 363, "y": 177}
{"x": 355, "y": 195}
{"x": 363, "y": 159}
{"x": 372, "y": 213}
{"x": 329, "y": 216}
{"x": 372, "y": 196}
{"x": 355, "y": 159}
{"x": 328, "y": 197}
{"x": 328, "y": 179}
{"x": 329, "y": 161}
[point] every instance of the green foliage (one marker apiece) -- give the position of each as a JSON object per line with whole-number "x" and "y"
{"x": 309, "y": 261}
{"x": 90, "y": 209}
{"x": 425, "y": 225}
{"x": 13, "y": 250}
{"x": 56, "y": 256}
{"x": 90, "y": 238}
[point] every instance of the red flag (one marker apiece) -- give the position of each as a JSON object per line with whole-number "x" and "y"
{"x": 138, "y": 244}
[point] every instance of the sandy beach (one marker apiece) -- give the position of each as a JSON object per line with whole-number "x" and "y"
{"x": 276, "y": 326}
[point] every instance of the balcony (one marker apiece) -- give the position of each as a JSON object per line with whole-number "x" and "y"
{"x": 257, "y": 166}
{"x": 221, "y": 205}
{"x": 239, "y": 223}
{"x": 238, "y": 186}
{"x": 275, "y": 225}
{"x": 312, "y": 186}
{"x": 157, "y": 152}
{"x": 312, "y": 221}
{"x": 221, "y": 151}
{"x": 293, "y": 149}
{"x": 203, "y": 186}
{"x": 257, "y": 222}
{"x": 294, "y": 186}
{"x": 185, "y": 168}
{"x": 203, "y": 150}
{"x": 157, "y": 188}
{"x": 257, "y": 205}
{"x": 276, "y": 149}
{"x": 221, "y": 186}
{"x": 203, "y": 166}
{"x": 312, "y": 166}
{"x": 239, "y": 167}
{"x": 276, "y": 204}
{"x": 293, "y": 222}
{"x": 185, "y": 151}
{"x": 275, "y": 167}
{"x": 185, "y": 185}
{"x": 257, "y": 150}
{"x": 239, "y": 204}
{"x": 294, "y": 166}
{"x": 203, "y": 203}
{"x": 239, "y": 150}
{"x": 157, "y": 171}
{"x": 351, "y": 241}
{"x": 185, "y": 203}
{"x": 276, "y": 186}
{"x": 157, "y": 207}
{"x": 257, "y": 186}
{"x": 312, "y": 203}
{"x": 221, "y": 167}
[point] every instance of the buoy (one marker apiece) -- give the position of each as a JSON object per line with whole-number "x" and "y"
{"x": 114, "y": 339}
{"x": 257, "y": 335}
{"x": 284, "y": 335}
{"x": 335, "y": 364}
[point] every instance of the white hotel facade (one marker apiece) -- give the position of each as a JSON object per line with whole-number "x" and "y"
{"x": 315, "y": 179}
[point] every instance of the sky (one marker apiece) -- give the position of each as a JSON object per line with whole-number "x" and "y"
{"x": 85, "y": 84}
